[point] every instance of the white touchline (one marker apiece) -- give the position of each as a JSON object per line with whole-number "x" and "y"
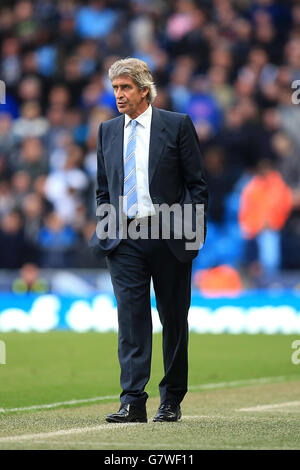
{"x": 65, "y": 432}
{"x": 271, "y": 406}
{"x": 239, "y": 383}
{"x": 60, "y": 403}
{"x": 209, "y": 386}
{"x": 100, "y": 427}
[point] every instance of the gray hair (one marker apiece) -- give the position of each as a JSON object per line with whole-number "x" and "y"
{"x": 138, "y": 71}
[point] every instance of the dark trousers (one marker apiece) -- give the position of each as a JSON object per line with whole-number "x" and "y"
{"x": 132, "y": 265}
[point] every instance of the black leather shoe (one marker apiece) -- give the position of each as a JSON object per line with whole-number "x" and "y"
{"x": 167, "y": 412}
{"x": 128, "y": 414}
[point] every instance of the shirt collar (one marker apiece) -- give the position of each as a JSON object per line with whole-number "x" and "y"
{"x": 144, "y": 119}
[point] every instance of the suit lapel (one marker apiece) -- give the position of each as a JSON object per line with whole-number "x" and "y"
{"x": 117, "y": 150}
{"x": 157, "y": 142}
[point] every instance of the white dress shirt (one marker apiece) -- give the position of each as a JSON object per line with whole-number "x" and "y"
{"x": 145, "y": 206}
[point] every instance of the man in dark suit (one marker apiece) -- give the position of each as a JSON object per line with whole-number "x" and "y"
{"x": 148, "y": 159}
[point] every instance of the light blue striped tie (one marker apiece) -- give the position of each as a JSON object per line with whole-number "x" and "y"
{"x": 130, "y": 192}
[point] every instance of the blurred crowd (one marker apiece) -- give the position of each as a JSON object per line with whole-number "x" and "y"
{"x": 229, "y": 64}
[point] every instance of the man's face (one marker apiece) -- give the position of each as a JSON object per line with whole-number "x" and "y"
{"x": 129, "y": 98}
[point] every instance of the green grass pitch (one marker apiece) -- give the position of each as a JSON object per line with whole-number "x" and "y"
{"x": 230, "y": 378}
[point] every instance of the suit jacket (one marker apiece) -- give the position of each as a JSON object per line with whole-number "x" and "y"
{"x": 176, "y": 173}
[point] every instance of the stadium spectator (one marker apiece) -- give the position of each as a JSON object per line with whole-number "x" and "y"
{"x": 12, "y": 240}
{"x": 219, "y": 180}
{"x": 20, "y": 185}
{"x": 7, "y": 140}
{"x": 30, "y": 281}
{"x": 95, "y": 20}
{"x": 222, "y": 280}
{"x": 68, "y": 184}
{"x": 32, "y": 158}
{"x": 57, "y": 242}
{"x": 266, "y": 203}
{"x": 33, "y": 210}
{"x": 7, "y": 198}
{"x": 30, "y": 123}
